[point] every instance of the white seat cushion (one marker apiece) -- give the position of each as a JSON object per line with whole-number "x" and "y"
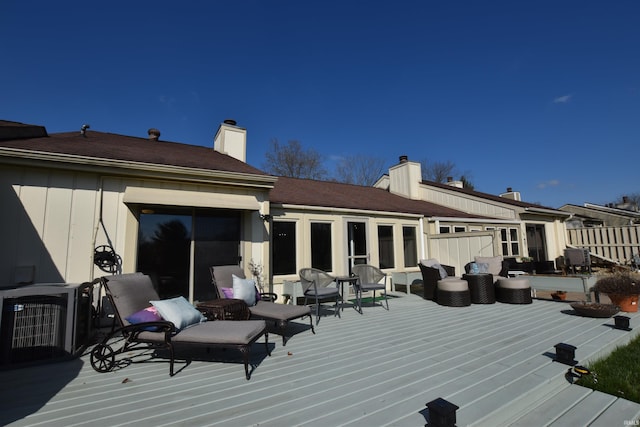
{"x": 451, "y": 284}
{"x": 514, "y": 283}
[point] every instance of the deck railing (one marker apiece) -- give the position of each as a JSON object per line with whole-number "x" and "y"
{"x": 619, "y": 244}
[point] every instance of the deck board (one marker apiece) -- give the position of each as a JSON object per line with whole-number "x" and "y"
{"x": 379, "y": 368}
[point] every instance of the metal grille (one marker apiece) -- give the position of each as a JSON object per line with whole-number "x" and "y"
{"x": 33, "y": 328}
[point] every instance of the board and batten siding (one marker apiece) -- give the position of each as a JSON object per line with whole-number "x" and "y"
{"x": 466, "y": 204}
{"x": 53, "y": 219}
{"x": 48, "y": 221}
{"x": 457, "y": 249}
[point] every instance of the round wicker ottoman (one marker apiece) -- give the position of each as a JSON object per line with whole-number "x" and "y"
{"x": 513, "y": 290}
{"x": 453, "y": 292}
{"x": 481, "y": 288}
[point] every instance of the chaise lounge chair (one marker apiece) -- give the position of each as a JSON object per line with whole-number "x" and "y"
{"x": 265, "y": 307}
{"x": 131, "y": 296}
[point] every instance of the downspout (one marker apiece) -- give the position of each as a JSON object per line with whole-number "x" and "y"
{"x": 422, "y": 239}
{"x": 95, "y": 231}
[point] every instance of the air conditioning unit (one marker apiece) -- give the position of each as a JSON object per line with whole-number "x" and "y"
{"x": 44, "y": 322}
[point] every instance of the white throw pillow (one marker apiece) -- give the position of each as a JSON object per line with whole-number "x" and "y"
{"x": 495, "y": 263}
{"x": 244, "y": 289}
{"x": 179, "y": 312}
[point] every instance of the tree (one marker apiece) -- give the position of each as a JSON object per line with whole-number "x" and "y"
{"x": 360, "y": 170}
{"x": 293, "y": 161}
{"x": 441, "y": 171}
{"x": 437, "y": 171}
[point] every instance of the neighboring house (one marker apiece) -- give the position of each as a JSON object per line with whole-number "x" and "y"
{"x": 591, "y": 215}
{"x": 168, "y": 209}
{"x": 83, "y": 204}
{"x": 525, "y": 229}
{"x": 332, "y": 226}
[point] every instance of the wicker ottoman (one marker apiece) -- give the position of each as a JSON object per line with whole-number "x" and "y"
{"x": 513, "y": 290}
{"x": 481, "y": 288}
{"x": 453, "y": 292}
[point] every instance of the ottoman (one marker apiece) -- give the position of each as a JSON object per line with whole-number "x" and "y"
{"x": 453, "y": 292}
{"x": 513, "y": 290}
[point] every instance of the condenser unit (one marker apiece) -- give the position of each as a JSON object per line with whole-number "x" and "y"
{"x": 42, "y": 322}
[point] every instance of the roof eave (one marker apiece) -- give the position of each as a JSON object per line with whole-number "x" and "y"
{"x": 132, "y": 168}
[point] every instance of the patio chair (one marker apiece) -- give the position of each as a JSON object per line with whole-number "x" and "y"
{"x": 496, "y": 265}
{"x": 315, "y": 286}
{"x": 142, "y": 327}
{"x": 369, "y": 278}
{"x": 431, "y": 273}
{"x": 265, "y": 307}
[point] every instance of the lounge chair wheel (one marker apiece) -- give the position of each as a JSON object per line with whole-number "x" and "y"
{"x": 103, "y": 358}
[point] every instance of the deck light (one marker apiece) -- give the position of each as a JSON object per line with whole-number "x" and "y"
{"x": 565, "y": 353}
{"x": 622, "y": 322}
{"x": 442, "y": 413}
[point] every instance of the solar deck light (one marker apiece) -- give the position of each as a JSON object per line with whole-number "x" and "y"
{"x": 442, "y": 413}
{"x": 622, "y": 322}
{"x": 565, "y": 353}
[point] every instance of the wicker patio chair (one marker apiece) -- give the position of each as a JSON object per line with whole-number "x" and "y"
{"x": 430, "y": 277}
{"x": 265, "y": 307}
{"x": 369, "y": 278}
{"x": 315, "y": 286}
{"x": 130, "y": 296}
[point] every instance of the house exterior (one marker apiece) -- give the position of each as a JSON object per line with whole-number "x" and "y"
{"x": 134, "y": 204}
{"x": 524, "y": 229}
{"x": 592, "y": 215}
{"x": 79, "y": 205}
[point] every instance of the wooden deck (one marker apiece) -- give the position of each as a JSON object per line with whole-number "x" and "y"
{"x": 493, "y": 361}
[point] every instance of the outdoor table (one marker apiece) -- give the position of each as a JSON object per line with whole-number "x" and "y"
{"x": 224, "y": 309}
{"x": 481, "y": 288}
{"x": 341, "y": 280}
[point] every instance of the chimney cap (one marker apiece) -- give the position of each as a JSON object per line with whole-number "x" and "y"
{"x": 404, "y": 159}
{"x": 230, "y": 122}
{"x": 154, "y": 134}
{"x": 509, "y": 190}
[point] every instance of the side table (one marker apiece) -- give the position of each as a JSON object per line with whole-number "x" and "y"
{"x": 341, "y": 280}
{"x": 224, "y": 309}
{"x": 481, "y": 288}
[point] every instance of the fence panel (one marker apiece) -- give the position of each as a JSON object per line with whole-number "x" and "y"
{"x": 615, "y": 243}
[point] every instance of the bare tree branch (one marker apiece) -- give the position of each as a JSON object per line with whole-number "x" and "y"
{"x": 360, "y": 170}
{"x": 291, "y": 160}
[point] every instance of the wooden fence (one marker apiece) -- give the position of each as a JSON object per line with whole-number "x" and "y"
{"x": 618, "y": 244}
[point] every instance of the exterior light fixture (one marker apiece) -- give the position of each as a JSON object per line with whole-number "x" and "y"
{"x": 265, "y": 217}
{"x": 565, "y": 353}
{"x": 442, "y": 413}
{"x": 622, "y": 322}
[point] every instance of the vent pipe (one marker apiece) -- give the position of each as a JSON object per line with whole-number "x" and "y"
{"x": 154, "y": 134}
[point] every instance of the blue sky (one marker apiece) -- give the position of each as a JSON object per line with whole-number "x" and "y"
{"x": 540, "y": 96}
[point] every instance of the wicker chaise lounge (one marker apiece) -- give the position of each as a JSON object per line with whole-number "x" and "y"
{"x": 131, "y": 294}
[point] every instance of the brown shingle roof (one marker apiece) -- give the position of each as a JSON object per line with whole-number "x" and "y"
{"x": 119, "y": 147}
{"x": 331, "y": 194}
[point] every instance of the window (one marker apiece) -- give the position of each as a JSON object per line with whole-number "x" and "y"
{"x": 510, "y": 242}
{"x": 410, "y": 246}
{"x": 165, "y": 240}
{"x": 321, "y": 246}
{"x": 445, "y": 229}
{"x": 459, "y": 229}
{"x": 357, "y": 243}
{"x": 385, "y": 246}
{"x": 284, "y": 247}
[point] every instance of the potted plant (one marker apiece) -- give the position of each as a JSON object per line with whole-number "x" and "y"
{"x": 559, "y": 295}
{"x": 622, "y": 287}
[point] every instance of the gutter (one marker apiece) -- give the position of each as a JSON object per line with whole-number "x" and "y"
{"x": 179, "y": 173}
